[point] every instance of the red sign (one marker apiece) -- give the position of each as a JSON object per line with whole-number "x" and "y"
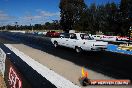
{"x": 14, "y": 79}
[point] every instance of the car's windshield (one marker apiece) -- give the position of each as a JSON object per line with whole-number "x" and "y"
{"x": 86, "y": 36}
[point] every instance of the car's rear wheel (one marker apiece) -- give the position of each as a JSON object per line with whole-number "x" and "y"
{"x": 78, "y": 49}
{"x": 55, "y": 44}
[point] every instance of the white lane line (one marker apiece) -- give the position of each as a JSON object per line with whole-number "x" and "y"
{"x": 54, "y": 78}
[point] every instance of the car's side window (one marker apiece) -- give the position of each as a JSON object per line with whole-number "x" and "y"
{"x": 67, "y": 35}
{"x": 73, "y": 36}
{"x": 62, "y": 36}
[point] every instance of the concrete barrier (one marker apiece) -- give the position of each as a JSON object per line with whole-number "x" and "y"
{"x": 2, "y": 61}
{"x": 18, "y": 31}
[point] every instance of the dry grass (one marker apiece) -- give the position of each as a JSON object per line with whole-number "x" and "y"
{"x": 2, "y": 83}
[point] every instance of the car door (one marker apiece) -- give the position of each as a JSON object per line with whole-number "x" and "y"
{"x": 65, "y": 39}
{"x": 72, "y": 41}
{"x": 87, "y": 42}
{"x": 61, "y": 40}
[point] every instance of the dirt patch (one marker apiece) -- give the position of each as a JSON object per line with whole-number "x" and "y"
{"x": 2, "y": 82}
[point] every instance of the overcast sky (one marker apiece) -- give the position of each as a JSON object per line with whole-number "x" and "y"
{"x": 27, "y": 12}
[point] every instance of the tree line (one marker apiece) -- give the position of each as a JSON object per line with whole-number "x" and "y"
{"x": 109, "y": 17}
{"x": 54, "y": 25}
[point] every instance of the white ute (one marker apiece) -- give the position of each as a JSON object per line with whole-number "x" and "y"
{"x": 79, "y": 42}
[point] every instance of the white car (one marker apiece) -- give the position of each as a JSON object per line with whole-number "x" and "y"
{"x": 44, "y": 33}
{"x": 79, "y": 42}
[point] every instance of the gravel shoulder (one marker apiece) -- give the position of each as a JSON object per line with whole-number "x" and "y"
{"x": 2, "y": 82}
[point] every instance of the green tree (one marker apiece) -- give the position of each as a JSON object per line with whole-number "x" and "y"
{"x": 37, "y": 26}
{"x": 87, "y": 21}
{"x": 47, "y": 25}
{"x": 124, "y": 12}
{"x": 130, "y": 11}
{"x": 124, "y": 8}
{"x": 71, "y": 11}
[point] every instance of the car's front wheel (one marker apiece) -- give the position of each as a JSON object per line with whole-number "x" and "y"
{"x": 55, "y": 44}
{"x": 78, "y": 49}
